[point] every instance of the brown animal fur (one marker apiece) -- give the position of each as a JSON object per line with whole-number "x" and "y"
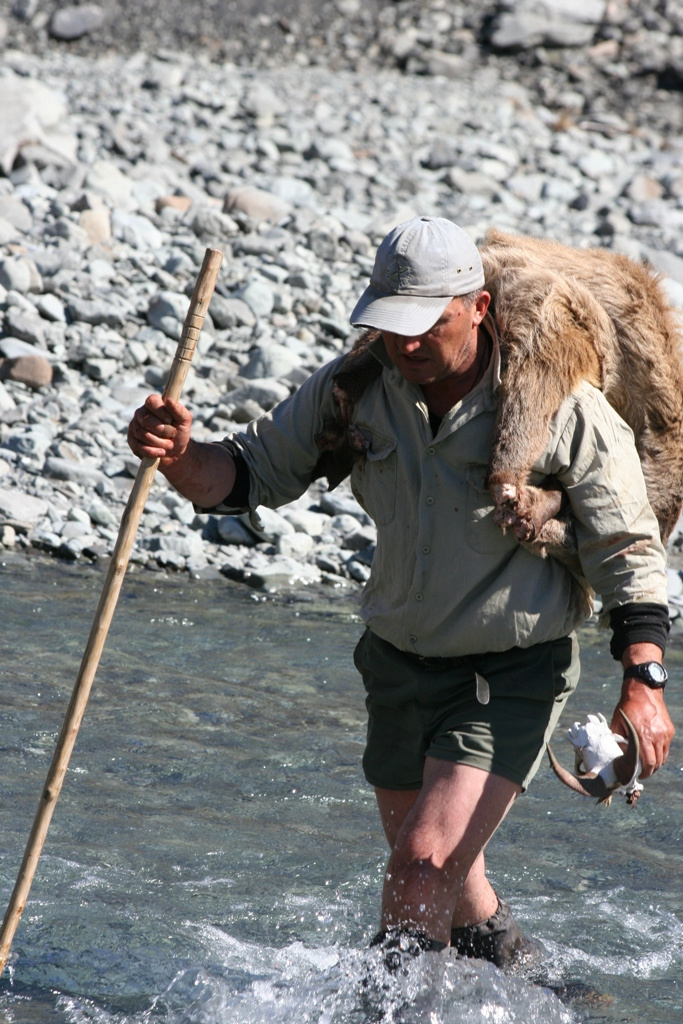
{"x": 567, "y": 315}
{"x": 564, "y": 315}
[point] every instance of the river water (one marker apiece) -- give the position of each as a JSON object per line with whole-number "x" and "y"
{"x": 215, "y": 856}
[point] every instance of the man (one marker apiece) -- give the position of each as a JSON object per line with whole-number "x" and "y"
{"x": 469, "y": 653}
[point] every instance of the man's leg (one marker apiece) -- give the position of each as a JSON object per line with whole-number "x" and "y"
{"x": 431, "y": 872}
{"x": 394, "y": 805}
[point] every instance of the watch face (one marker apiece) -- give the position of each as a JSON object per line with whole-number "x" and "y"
{"x": 657, "y": 673}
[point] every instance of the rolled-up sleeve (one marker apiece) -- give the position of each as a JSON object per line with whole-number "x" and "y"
{"x": 596, "y": 461}
{"x": 280, "y": 449}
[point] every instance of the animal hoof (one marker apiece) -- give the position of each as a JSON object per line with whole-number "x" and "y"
{"x": 522, "y": 527}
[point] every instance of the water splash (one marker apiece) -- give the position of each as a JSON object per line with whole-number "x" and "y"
{"x": 246, "y": 983}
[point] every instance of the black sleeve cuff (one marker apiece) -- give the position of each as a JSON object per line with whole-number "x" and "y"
{"x": 638, "y": 624}
{"x": 239, "y": 495}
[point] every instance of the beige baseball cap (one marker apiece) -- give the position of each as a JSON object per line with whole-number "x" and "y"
{"x": 420, "y": 267}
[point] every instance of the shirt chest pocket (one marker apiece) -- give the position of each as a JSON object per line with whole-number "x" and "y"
{"x": 482, "y": 534}
{"x": 373, "y": 480}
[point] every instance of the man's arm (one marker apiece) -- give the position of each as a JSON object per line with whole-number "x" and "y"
{"x": 596, "y": 461}
{"x": 646, "y": 709}
{"x": 202, "y": 472}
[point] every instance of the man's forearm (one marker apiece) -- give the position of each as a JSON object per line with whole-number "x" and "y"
{"x": 204, "y": 473}
{"x": 636, "y": 654}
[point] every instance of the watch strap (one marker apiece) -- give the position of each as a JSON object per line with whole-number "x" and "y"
{"x": 644, "y": 673}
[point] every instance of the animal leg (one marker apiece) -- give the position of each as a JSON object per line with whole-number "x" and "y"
{"x": 524, "y": 509}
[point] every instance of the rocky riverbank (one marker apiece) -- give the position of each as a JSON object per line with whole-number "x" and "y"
{"x": 118, "y": 169}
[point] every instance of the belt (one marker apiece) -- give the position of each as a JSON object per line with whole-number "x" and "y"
{"x": 438, "y": 664}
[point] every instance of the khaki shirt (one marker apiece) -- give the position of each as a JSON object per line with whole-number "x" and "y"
{"x": 445, "y": 579}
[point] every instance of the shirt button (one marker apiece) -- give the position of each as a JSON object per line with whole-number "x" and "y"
{"x": 426, "y": 549}
{"x": 418, "y": 597}
{"x": 430, "y": 501}
{"x": 430, "y": 451}
{"x": 412, "y": 638}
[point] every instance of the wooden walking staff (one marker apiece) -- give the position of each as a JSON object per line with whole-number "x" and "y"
{"x": 105, "y": 610}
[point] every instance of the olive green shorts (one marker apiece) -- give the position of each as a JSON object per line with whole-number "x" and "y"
{"x": 429, "y": 707}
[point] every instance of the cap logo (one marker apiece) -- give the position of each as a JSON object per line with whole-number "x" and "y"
{"x": 399, "y": 271}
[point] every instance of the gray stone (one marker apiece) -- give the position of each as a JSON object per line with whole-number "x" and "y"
{"x": 270, "y": 361}
{"x": 106, "y": 179}
{"x": 674, "y": 291}
{"x": 256, "y": 203}
{"x": 51, "y": 308}
{"x": 666, "y": 263}
{"x": 653, "y": 212}
{"x": 674, "y": 584}
{"x": 77, "y": 472}
{"x": 74, "y": 22}
{"x": 439, "y": 62}
{"x": 95, "y": 312}
{"x": 24, "y": 10}
{"x": 210, "y": 223}
{"x": 281, "y": 573}
{"x": 258, "y": 295}
{"x": 597, "y": 164}
{"x": 25, "y": 326}
{"x": 231, "y": 312}
{"x": 330, "y": 150}
{"x": 32, "y": 113}
{"x": 315, "y": 524}
{"x": 7, "y": 403}
{"x": 136, "y": 230}
{"x": 8, "y": 233}
{"x": 267, "y": 392}
{"x": 232, "y": 531}
{"x": 528, "y": 23}
{"x": 20, "y": 274}
{"x": 8, "y": 536}
{"x": 293, "y": 191}
{"x": 88, "y": 544}
{"x": 268, "y": 524}
{"x": 339, "y": 502}
{"x": 246, "y": 411}
{"x": 471, "y": 182}
{"x": 358, "y": 570}
{"x": 72, "y": 530}
{"x": 165, "y": 306}
{"x": 13, "y": 348}
{"x": 295, "y": 545}
{"x": 19, "y": 509}
{"x": 187, "y": 544}
{"x": 16, "y": 212}
{"x": 261, "y": 101}
{"x": 255, "y": 244}
{"x": 99, "y": 368}
{"x": 32, "y": 441}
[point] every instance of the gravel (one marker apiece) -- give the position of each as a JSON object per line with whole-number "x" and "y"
{"x": 291, "y": 142}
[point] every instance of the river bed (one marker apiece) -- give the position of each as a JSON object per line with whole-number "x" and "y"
{"x": 215, "y": 856}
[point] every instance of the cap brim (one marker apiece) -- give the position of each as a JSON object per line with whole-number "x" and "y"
{"x": 401, "y": 314}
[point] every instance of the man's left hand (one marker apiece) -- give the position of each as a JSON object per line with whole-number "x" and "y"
{"x": 646, "y": 710}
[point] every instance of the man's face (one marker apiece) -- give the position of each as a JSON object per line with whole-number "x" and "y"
{"x": 445, "y": 350}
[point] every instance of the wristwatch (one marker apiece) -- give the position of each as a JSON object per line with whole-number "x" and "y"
{"x": 651, "y": 673}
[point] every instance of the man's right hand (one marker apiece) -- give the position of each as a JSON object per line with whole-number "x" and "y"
{"x": 203, "y": 471}
{"x": 160, "y": 430}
